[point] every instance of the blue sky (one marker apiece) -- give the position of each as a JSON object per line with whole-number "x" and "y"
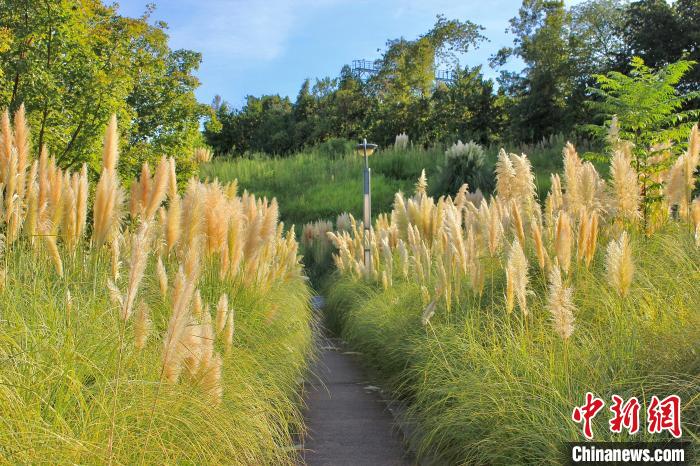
{"x": 271, "y": 46}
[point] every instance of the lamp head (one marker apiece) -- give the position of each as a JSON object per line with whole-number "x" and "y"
{"x": 360, "y": 149}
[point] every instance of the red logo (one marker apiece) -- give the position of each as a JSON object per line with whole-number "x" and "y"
{"x": 625, "y": 415}
{"x": 587, "y": 412}
{"x": 664, "y": 415}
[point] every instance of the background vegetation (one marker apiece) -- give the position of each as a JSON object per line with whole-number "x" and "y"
{"x": 563, "y": 50}
{"x": 321, "y": 183}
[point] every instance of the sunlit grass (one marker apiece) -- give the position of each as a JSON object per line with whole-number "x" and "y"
{"x": 110, "y": 351}
{"x": 486, "y": 389}
{"x": 59, "y": 373}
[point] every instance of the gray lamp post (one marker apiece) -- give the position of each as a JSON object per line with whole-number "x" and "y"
{"x": 366, "y": 150}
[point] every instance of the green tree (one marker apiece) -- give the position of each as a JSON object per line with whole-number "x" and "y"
{"x": 648, "y": 22}
{"x": 167, "y": 113}
{"x": 304, "y": 117}
{"x": 5, "y": 43}
{"x": 214, "y": 135}
{"x": 407, "y": 70}
{"x": 596, "y": 46}
{"x": 348, "y": 108}
{"x": 73, "y": 64}
{"x": 466, "y": 109}
{"x": 596, "y": 29}
{"x": 262, "y": 125}
{"x": 661, "y": 33}
{"x": 650, "y": 114}
{"x": 405, "y": 83}
{"x": 541, "y": 90}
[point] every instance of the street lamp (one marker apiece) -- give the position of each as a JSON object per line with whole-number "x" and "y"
{"x": 366, "y": 150}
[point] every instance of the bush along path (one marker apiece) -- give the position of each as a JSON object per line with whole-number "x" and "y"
{"x": 135, "y": 333}
{"x": 347, "y": 421}
{"x": 492, "y": 320}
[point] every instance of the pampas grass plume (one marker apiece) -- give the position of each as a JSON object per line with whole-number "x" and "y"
{"x": 422, "y": 185}
{"x": 695, "y": 214}
{"x": 517, "y": 278}
{"x": 183, "y": 290}
{"x": 139, "y": 256}
{"x": 115, "y": 295}
{"x": 108, "y": 194}
{"x": 582, "y": 237}
{"x": 619, "y": 264}
{"x": 563, "y": 241}
{"x": 173, "y": 228}
{"x": 560, "y": 304}
{"x": 162, "y": 276}
{"x": 505, "y": 174}
{"x": 229, "y": 331}
{"x": 626, "y": 191}
{"x": 523, "y": 184}
{"x": 221, "y": 313}
{"x": 510, "y": 290}
{"x": 158, "y": 189}
{"x": 539, "y": 245}
{"x": 592, "y": 238}
{"x": 517, "y": 222}
{"x": 495, "y": 229}
{"x": 54, "y": 254}
{"x": 115, "y": 254}
{"x": 197, "y": 305}
{"x": 142, "y": 325}
{"x": 22, "y": 146}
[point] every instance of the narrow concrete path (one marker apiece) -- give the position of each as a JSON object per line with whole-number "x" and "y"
{"x": 348, "y": 422}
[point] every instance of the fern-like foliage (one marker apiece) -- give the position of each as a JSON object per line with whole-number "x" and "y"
{"x": 645, "y": 110}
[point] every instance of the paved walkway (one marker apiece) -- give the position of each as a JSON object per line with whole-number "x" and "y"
{"x": 347, "y": 419}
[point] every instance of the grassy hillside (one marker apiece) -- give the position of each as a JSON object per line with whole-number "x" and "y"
{"x": 311, "y": 185}
{"x": 316, "y": 185}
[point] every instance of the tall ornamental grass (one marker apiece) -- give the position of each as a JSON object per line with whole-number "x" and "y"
{"x": 160, "y": 326}
{"x": 493, "y": 317}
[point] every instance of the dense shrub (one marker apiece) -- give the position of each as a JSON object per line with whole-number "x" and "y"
{"x": 465, "y": 163}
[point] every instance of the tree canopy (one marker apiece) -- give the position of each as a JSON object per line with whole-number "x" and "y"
{"x": 563, "y": 49}
{"x": 73, "y": 64}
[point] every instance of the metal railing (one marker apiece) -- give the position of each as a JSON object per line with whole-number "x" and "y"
{"x": 364, "y": 69}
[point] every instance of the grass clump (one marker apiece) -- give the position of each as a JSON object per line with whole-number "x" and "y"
{"x": 465, "y": 163}
{"x": 172, "y": 328}
{"x": 492, "y": 318}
